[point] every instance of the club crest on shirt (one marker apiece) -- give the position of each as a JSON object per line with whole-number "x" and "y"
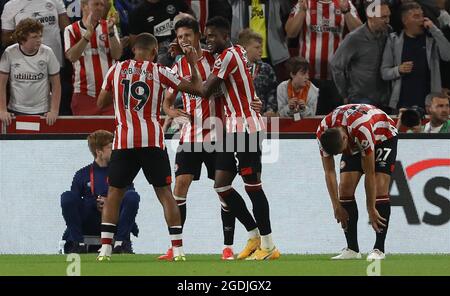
{"x": 171, "y": 9}
{"x": 49, "y": 5}
{"x": 218, "y": 63}
{"x": 42, "y": 64}
{"x": 343, "y": 164}
{"x": 102, "y": 37}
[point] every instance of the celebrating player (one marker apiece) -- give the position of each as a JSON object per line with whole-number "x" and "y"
{"x": 137, "y": 85}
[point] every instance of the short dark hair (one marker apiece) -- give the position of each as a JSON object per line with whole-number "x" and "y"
{"x": 145, "y": 41}
{"x": 408, "y": 6}
{"x": 220, "y": 23}
{"x": 331, "y": 141}
{"x": 296, "y": 64}
{"x": 429, "y": 98}
{"x": 189, "y": 23}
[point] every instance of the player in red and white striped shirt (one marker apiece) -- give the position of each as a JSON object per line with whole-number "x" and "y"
{"x": 203, "y": 120}
{"x": 136, "y": 89}
{"x": 92, "y": 45}
{"x": 367, "y": 139}
{"x": 322, "y": 25}
{"x": 243, "y": 124}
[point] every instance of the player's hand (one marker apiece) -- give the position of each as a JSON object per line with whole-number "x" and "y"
{"x": 190, "y": 53}
{"x": 341, "y": 216}
{"x": 376, "y": 220}
{"x": 427, "y": 23}
{"x": 256, "y": 104}
{"x": 175, "y": 49}
{"x": 100, "y": 202}
{"x": 50, "y": 117}
{"x": 406, "y": 67}
{"x": 6, "y": 117}
{"x": 178, "y": 113}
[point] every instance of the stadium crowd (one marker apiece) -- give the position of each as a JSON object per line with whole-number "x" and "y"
{"x": 321, "y": 54}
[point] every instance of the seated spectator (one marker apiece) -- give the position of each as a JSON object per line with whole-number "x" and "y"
{"x": 92, "y": 45}
{"x": 264, "y": 78}
{"x": 411, "y": 59}
{"x": 82, "y": 205}
{"x": 31, "y": 67}
{"x": 297, "y": 97}
{"x": 437, "y": 106}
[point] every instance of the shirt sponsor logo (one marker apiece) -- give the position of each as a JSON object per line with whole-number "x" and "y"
{"x": 150, "y": 19}
{"x": 325, "y": 28}
{"x": 50, "y": 19}
{"x": 163, "y": 29}
{"x": 29, "y": 76}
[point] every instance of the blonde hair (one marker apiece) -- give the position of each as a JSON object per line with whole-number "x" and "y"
{"x": 246, "y": 35}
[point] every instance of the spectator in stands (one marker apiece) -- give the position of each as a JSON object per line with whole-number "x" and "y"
{"x": 429, "y": 8}
{"x": 92, "y": 45}
{"x": 52, "y": 14}
{"x": 322, "y": 26}
{"x": 356, "y": 64}
{"x": 264, "y": 17}
{"x": 411, "y": 59}
{"x": 155, "y": 17}
{"x": 297, "y": 97}
{"x": 264, "y": 78}
{"x": 437, "y": 106}
{"x": 31, "y": 68}
{"x": 82, "y": 205}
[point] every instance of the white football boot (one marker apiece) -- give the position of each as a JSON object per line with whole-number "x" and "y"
{"x": 347, "y": 254}
{"x": 376, "y": 255}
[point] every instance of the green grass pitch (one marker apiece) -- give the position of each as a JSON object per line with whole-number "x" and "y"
{"x": 211, "y": 265}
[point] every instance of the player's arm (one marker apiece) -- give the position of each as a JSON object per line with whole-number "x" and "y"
{"x": 168, "y": 105}
{"x": 368, "y": 165}
{"x": 340, "y": 213}
{"x": 211, "y": 85}
{"x": 104, "y": 99}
